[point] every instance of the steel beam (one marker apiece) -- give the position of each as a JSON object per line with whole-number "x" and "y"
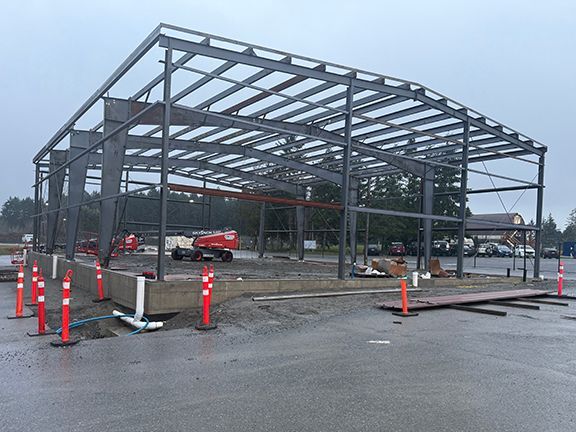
{"x": 463, "y": 199}
{"x": 276, "y": 184}
{"x": 300, "y": 223}
{"x": 353, "y": 219}
{"x": 223, "y": 68}
{"x": 164, "y": 191}
{"x": 55, "y": 187}
{"x": 135, "y": 141}
{"x": 402, "y": 214}
{"x": 253, "y": 197}
{"x": 37, "y": 204}
{"x": 345, "y": 193}
{"x": 132, "y": 59}
{"x": 428, "y": 209}
{"x": 261, "y": 231}
{"x": 419, "y": 95}
{"x": 539, "y": 208}
{"x": 77, "y": 170}
{"x": 116, "y": 112}
{"x": 186, "y": 116}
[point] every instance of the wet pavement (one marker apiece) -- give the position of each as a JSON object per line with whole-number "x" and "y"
{"x": 444, "y": 370}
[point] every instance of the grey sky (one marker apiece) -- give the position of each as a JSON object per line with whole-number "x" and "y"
{"x": 514, "y": 61}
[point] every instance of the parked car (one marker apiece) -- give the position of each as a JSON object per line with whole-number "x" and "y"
{"x": 519, "y": 251}
{"x": 412, "y": 248}
{"x": 503, "y": 251}
{"x": 549, "y": 253}
{"x": 484, "y": 249}
{"x": 397, "y": 248}
{"x": 469, "y": 250}
{"x": 373, "y": 250}
{"x": 440, "y": 248}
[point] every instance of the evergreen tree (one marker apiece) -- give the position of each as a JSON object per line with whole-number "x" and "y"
{"x": 551, "y": 235}
{"x": 570, "y": 230}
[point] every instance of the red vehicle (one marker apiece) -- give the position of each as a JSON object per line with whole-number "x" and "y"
{"x": 17, "y": 256}
{"x": 210, "y": 246}
{"x": 397, "y": 248}
{"x": 128, "y": 243}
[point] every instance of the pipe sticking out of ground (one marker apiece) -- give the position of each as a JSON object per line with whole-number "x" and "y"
{"x": 137, "y": 322}
{"x": 331, "y": 294}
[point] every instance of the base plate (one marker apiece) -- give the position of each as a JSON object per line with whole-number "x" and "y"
{"x": 101, "y": 300}
{"x": 24, "y": 315}
{"x": 201, "y": 326}
{"x": 59, "y": 343}
{"x": 46, "y": 333}
{"x": 402, "y": 314}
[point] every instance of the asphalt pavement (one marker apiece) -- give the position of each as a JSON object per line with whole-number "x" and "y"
{"x": 444, "y": 370}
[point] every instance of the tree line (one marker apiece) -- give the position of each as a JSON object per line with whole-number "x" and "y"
{"x": 140, "y": 213}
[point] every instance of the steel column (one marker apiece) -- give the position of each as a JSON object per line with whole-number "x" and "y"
{"x": 539, "y": 205}
{"x": 261, "y": 231}
{"x": 79, "y": 141}
{"x": 300, "y": 221}
{"x": 427, "y": 207}
{"x": 353, "y": 219}
{"x": 345, "y": 182}
{"x": 116, "y": 112}
{"x": 165, "y": 155}
{"x": 37, "y": 198}
{"x": 55, "y": 186}
{"x": 463, "y": 196}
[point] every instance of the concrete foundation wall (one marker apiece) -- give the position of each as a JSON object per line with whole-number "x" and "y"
{"x": 174, "y": 296}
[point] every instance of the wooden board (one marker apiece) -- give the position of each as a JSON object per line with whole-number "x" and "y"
{"x": 440, "y": 301}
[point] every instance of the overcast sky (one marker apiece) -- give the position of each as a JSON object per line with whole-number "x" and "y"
{"x": 514, "y": 61}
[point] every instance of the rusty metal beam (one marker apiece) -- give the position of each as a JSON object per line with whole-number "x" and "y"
{"x": 253, "y": 197}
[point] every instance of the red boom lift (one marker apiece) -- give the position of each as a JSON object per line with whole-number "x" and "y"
{"x": 210, "y": 246}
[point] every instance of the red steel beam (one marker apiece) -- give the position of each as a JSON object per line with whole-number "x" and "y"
{"x": 253, "y": 197}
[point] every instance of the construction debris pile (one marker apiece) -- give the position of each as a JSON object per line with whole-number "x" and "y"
{"x": 437, "y": 271}
{"x": 398, "y": 267}
{"x": 383, "y": 267}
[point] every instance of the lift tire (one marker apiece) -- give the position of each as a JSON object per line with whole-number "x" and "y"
{"x": 176, "y": 256}
{"x": 227, "y": 256}
{"x": 197, "y": 255}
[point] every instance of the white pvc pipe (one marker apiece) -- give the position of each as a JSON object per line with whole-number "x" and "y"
{"x": 140, "y": 287}
{"x": 415, "y": 279}
{"x": 25, "y": 257}
{"x": 331, "y": 294}
{"x": 54, "y": 266}
{"x": 152, "y": 325}
{"x": 137, "y": 320}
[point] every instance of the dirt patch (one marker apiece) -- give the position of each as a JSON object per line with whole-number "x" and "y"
{"x": 93, "y": 330}
{"x": 275, "y": 268}
{"x": 246, "y": 316}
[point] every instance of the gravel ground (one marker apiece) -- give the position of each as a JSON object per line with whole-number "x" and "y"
{"x": 245, "y": 315}
{"x": 244, "y": 268}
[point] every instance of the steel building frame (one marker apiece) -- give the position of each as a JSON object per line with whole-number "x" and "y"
{"x": 226, "y": 125}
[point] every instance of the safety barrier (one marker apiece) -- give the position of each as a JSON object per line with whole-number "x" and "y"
{"x": 34, "y": 287}
{"x": 207, "y": 280}
{"x": 65, "y": 333}
{"x": 101, "y": 297}
{"x": 404, "y": 293}
{"x": 41, "y": 308}
{"x": 20, "y": 297}
{"x": 560, "y": 278}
